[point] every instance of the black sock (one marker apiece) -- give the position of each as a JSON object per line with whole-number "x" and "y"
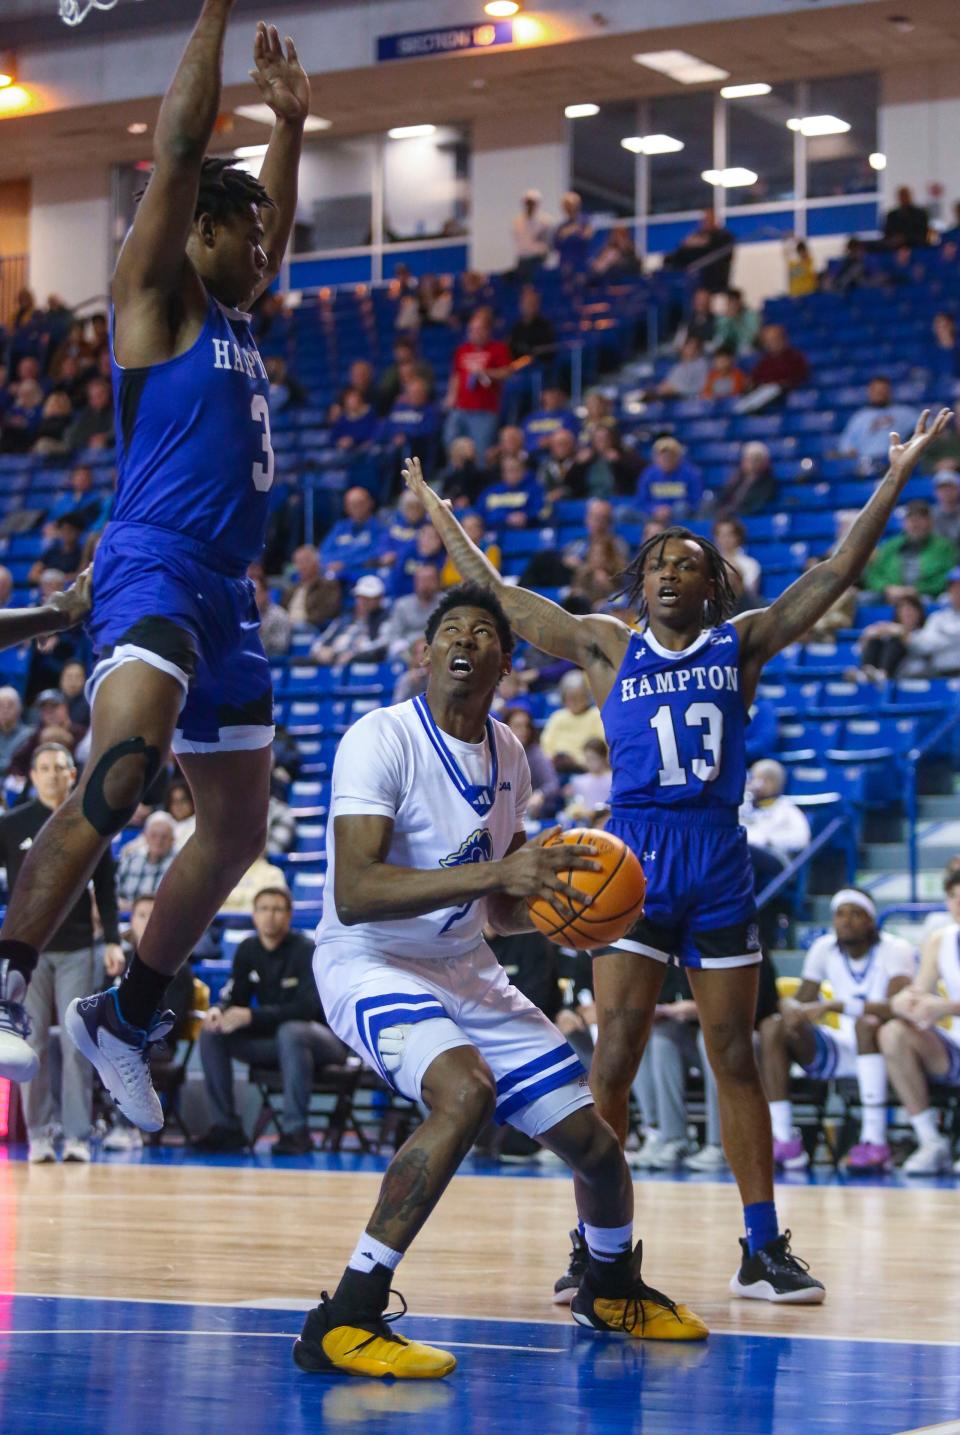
{"x": 141, "y": 992}
{"x": 364, "y": 1293}
{"x": 611, "y": 1279}
{"x": 22, "y": 957}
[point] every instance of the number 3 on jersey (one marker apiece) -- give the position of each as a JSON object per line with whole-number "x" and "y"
{"x": 262, "y": 472}
{"x": 706, "y": 716}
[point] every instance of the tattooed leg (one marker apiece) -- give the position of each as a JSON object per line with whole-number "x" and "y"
{"x": 460, "y": 1091}
{"x": 626, "y": 987}
{"x": 727, "y": 1002}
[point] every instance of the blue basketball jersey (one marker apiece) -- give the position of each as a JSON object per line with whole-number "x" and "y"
{"x": 193, "y": 442}
{"x": 675, "y": 725}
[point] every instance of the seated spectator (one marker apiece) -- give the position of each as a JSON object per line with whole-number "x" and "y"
{"x": 726, "y": 380}
{"x": 588, "y": 793}
{"x": 78, "y": 501}
{"x": 544, "y": 783}
{"x": 533, "y": 336}
{"x": 413, "y": 423}
{"x": 865, "y": 969}
{"x": 779, "y": 365}
{"x": 670, "y": 487}
{"x": 462, "y": 481}
{"x": 145, "y": 862}
{"x": 553, "y": 413}
{"x": 311, "y": 598}
{"x": 916, "y": 561}
{"x": 516, "y": 501}
{"x": 868, "y": 430}
{"x": 699, "y": 323}
{"x": 945, "y": 351}
{"x": 269, "y": 1014}
{"x": 181, "y": 809}
{"x": 476, "y": 292}
{"x": 285, "y": 391}
{"x": 475, "y": 529}
{"x": 20, "y": 423}
{"x": 598, "y": 576}
{"x": 944, "y": 452}
{"x": 599, "y": 415}
{"x": 406, "y": 365}
{"x": 802, "y": 277}
{"x": 409, "y": 614}
{"x": 358, "y": 635}
{"x": 479, "y": 368}
{"x": 852, "y": 269}
{"x": 738, "y": 325}
{"x": 73, "y": 680}
{"x": 414, "y": 681}
{"x": 560, "y": 473}
{"x": 777, "y": 829}
{"x": 709, "y": 251}
{"x": 357, "y": 426}
{"x": 435, "y": 297}
{"x": 55, "y": 417}
{"x": 92, "y": 425}
{"x": 946, "y": 510}
{"x": 907, "y": 224}
{"x": 510, "y": 444}
{"x": 568, "y": 729}
{"x": 531, "y": 231}
{"x": 883, "y": 645}
{"x": 933, "y": 650}
{"x": 356, "y": 541}
{"x": 752, "y": 487}
{"x": 401, "y": 531}
{"x": 572, "y": 236}
{"x": 261, "y": 874}
{"x": 276, "y": 624}
{"x": 688, "y": 376}
{"x": 729, "y": 535}
{"x": 598, "y": 524}
{"x": 63, "y": 553}
{"x": 617, "y": 257}
{"x": 14, "y": 732}
{"x": 50, "y": 710}
{"x": 606, "y": 468}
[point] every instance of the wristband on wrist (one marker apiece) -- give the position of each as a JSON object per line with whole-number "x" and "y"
{"x": 854, "y": 1006}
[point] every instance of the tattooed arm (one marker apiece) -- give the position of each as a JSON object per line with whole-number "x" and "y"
{"x": 594, "y": 642}
{"x": 766, "y": 631}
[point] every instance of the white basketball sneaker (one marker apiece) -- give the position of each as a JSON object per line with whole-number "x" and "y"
{"x": 18, "y": 1060}
{"x": 120, "y": 1052}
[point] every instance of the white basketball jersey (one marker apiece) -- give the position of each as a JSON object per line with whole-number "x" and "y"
{"x": 868, "y": 977}
{"x": 948, "y": 960}
{"x": 451, "y": 802}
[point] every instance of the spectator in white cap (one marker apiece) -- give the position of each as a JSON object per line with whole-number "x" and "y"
{"x": 864, "y": 968}
{"x": 946, "y": 508}
{"x": 143, "y": 864}
{"x": 356, "y": 636}
{"x": 532, "y": 234}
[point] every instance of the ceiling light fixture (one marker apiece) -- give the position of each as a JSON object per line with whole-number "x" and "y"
{"x": 744, "y": 92}
{"x": 652, "y": 144}
{"x": 680, "y": 66}
{"x": 8, "y": 69}
{"x": 813, "y": 125}
{"x": 729, "y": 178}
{"x": 501, "y": 9}
{"x": 263, "y": 115}
{"x": 581, "y": 112}
{"x": 137, "y": 128}
{"x": 14, "y": 99}
{"x": 877, "y": 160}
{"x": 410, "y": 132}
{"x": 250, "y": 151}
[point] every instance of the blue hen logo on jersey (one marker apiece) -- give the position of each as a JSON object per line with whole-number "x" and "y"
{"x": 478, "y": 847}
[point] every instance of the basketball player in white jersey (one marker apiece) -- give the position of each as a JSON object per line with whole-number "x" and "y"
{"x": 917, "y": 1050}
{"x": 865, "y": 969}
{"x": 425, "y": 847}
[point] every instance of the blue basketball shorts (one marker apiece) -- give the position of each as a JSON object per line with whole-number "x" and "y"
{"x": 157, "y": 599}
{"x": 700, "y": 909}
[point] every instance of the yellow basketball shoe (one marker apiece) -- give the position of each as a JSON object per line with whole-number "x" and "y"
{"x": 640, "y": 1312}
{"x": 357, "y": 1344}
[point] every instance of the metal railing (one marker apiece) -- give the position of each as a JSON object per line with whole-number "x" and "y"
{"x": 783, "y": 879}
{"x": 908, "y": 909}
{"x": 911, "y": 763}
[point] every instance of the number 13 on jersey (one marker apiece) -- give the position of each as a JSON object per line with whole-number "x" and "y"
{"x": 707, "y": 717}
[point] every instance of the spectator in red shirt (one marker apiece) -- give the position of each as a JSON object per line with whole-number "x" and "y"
{"x": 779, "y": 364}
{"x": 476, "y": 381}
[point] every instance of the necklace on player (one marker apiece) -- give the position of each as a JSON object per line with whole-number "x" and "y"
{"x": 479, "y": 795}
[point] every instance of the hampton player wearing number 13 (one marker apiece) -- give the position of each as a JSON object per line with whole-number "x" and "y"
{"x": 674, "y": 698}
{"x": 174, "y": 621}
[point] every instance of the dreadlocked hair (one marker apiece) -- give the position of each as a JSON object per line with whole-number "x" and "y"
{"x": 716, "y": 609}
{"x": 225, "y": 190}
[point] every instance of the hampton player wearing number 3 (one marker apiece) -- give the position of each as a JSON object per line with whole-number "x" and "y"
{"x": 674, "y": 698}
{"x": 174, "y": 621}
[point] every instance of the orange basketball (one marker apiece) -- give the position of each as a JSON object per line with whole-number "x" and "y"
{"x": 616, "y": 894}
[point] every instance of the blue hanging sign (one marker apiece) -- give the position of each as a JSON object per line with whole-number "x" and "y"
{"x": 450, "y": 40}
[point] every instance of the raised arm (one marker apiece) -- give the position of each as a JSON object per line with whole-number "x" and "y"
{"x": 283, "y": 83}
{"x": 595, "y": 642}
{"x": 766, "y": 631}
{"x": 153, "y": 257}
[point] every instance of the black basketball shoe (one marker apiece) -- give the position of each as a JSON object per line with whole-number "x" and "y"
{"x": 776, "y": 1274}
{"x": 567, "y": 1286}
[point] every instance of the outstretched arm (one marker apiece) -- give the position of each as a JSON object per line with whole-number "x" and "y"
{"x": 767, "y": 631}
{"x": 587, "y": 641}
{"x": 283, "y": 83}
{"x": 64, "y": 610}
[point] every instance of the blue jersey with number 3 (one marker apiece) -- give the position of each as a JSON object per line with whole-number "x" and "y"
{"x": 675, "y": 725}
{"x": 193, "y": 441}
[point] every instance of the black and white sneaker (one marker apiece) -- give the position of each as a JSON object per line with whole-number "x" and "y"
{"x": 568, "y": 1284}
{"x": 776, "y": 1274}
{"x": 120, "y": 1053}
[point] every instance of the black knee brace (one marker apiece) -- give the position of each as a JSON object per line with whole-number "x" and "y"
{"x": 103, "y": 818}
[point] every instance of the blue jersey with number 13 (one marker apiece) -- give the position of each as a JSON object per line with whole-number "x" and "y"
{"x": 193, "y": 442}
{"x": 675, "y": 725}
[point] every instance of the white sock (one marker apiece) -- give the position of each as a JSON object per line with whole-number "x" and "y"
{"x": 608, "y": 1243}
{"x": 925, "y": 1125}
{"x": 781, "y": 1117}
{"x": 370, "y": 1253}
{"x": 872, "y": 1080}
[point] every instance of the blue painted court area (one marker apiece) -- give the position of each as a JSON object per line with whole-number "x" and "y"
{"x": 94, "y": 1367}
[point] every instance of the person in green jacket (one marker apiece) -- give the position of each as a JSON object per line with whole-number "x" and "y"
{"x": 917, "y": 561}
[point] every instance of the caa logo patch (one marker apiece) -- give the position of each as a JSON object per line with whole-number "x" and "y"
{"x": 721, "y": 638}
{"x": 478, "y": 847}
{"x": 505, "y": 787}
